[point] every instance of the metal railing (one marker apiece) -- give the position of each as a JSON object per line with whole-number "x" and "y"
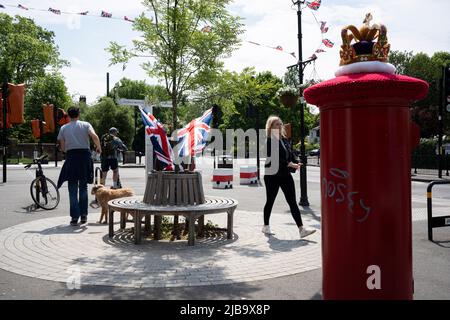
{"x": 435, "y": 222}
{"x": 429, "y": 164}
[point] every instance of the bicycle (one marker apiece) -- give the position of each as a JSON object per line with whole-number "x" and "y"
{"x": 43, "y": 191}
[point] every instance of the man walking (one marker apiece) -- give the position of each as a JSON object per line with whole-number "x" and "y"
{"x": 111, "y": 146}
{"x": 78, "y": 169}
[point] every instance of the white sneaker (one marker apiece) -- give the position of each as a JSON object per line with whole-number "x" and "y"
{"x": 266, "y": 230}
{"x": 304, "y": 232}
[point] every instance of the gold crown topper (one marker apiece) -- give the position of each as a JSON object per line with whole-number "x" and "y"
{"x": 364, "y": 48}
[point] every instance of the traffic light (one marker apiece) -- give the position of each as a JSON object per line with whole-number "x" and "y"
{"x": 447, "y": 87}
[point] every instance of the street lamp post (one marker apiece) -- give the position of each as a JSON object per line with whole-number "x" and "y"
{"x": 301, "y": 65}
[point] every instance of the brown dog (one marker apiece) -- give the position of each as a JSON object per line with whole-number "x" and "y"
{"x": 104, "y": 194}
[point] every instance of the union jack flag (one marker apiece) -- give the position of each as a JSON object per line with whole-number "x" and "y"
{"x": 106, "y": 14}
{"x": 158, "y": 137}
{"x": 328, "y": 43}
{"x": 193, "y": 137}
{"x": 314, "y": 5}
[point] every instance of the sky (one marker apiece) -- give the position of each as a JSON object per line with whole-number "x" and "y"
{"x": 413, "y": 25}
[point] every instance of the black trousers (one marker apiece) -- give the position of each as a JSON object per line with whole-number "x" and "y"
{"x": 286, "y": 183}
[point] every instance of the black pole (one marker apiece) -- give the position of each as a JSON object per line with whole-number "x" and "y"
{"x": 135, "y": 131}
{"x": 257, "y": 143}
{"x": 107, "y": 84}
{"x": 41, "y": 133}
{"x": 5, "y": 94}
{"x": 441, "y": 107}
{"x": 303, "y": 159}
{"x": 55, "y": 121}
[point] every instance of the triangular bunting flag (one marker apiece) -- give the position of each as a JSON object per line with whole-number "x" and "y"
{"x": 328, "y": 43}
{"x": 106, "y": 14}
{"x": 54, "y": 11}
{"x": 323, "y": 29}
{"x": 314, "y": 5}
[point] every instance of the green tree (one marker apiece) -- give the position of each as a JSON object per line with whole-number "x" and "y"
{"x": 186, "y": 40}
{"x": 236, "y": 92}
{"x": 106, "y": 114}
{"x": 401, "y": 60}
{"x": 429, "y": 69}
{"x": 26, "y": 49}
{"x": 49, "y": 88}
{"x": 136, "y": 89}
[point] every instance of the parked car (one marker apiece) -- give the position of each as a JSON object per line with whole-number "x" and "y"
{"x": 314, "y": 153}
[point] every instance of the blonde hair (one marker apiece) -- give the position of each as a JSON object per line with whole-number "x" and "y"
{"x": 269, "y": 125}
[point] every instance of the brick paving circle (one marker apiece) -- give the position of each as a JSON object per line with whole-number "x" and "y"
{"x": 52, "y": 250}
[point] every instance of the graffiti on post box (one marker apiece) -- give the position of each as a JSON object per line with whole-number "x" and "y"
{"x": 338, "y": 191}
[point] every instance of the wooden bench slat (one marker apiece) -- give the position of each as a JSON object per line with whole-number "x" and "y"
{"x": 191, "y": 192}
{"x": 179, "y": 192}
{"x": 164, "y": 191}
{"x": 185, "y": 192}
{"x": 172, "y": 194}
{"x": 201, "y": 194}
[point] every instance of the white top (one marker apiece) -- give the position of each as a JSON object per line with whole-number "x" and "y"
{"x": 365, "y": 66}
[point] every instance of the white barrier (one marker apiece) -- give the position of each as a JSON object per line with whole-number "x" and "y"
{"x": 222, "y": 178}
{"x": 248, "y": 174}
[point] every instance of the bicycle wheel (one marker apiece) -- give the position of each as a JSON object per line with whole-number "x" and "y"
{"x": 44, "y": 193}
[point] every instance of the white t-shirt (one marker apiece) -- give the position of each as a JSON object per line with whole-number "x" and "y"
{"x": 75, "y": 134}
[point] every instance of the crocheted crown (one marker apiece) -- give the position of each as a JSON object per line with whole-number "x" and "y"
{"x": 364, "y": 48}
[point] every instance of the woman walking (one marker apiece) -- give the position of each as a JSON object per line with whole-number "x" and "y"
{"x": 278, "y": 174}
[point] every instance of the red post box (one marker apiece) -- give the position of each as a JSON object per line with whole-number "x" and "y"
{"x": 366, "y": 142}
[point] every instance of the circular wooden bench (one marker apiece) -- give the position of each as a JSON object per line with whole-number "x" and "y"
{"x": 139, "y": 209}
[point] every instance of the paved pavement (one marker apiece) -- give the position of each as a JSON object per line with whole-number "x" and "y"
{"x": 43, "y": 258}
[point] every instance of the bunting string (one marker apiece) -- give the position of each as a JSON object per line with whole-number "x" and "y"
{"x": 103, "y": 14}
{"x": 313, "y": 5}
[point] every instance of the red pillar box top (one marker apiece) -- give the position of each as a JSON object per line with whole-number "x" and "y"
{"x": 364, "y": 76}
{"x": 366, "y": 89}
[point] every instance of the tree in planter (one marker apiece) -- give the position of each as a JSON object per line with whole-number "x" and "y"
{"x": 185, "y": 39}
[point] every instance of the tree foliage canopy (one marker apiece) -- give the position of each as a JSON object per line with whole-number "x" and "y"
{"x": 26, "y": 49}
{"x": 422, "y": 66}
{"x": 185, "y": 40}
